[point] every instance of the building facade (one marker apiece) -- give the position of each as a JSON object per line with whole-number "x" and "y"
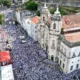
{"x": 60, "y": 47}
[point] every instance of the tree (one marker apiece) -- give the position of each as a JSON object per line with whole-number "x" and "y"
{"x": 31, "y": 5}
{"x": 38, "y": 13}
{"x": 52, "y": 11}
{"x": 63, "y": 12}
{"x": 7, "y": 3}
{"x": 1, "y": 18}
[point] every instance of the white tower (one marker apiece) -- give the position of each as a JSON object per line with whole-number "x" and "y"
{"x": 55, "y": 30}
{"x": 56, "y": 22}
{"x": 45, "y": 13}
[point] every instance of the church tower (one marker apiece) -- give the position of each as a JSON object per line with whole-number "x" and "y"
{"x": 45, "y": 13}
{"x": 55, "y": 30}
{"x": 56, "y": 22}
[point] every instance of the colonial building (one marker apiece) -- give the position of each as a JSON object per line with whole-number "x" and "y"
{"x": 60, "y": 37}
{"x": 30, "y": 25}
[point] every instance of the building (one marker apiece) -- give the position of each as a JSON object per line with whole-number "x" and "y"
{"x": 34, "y": 21}
{"x": 23, "y": 14}
{"x": 6, "y": 71}
{"x": 20, "y": 1}
{"x": 29, "y": 25}
{"x": 59, "y": 36}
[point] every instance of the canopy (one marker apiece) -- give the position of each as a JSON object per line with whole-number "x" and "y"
{"x": 4, "y": 56}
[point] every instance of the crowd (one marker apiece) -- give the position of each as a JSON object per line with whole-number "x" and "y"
{"x": 28, "y": 60}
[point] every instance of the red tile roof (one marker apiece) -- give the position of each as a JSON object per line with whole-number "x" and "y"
{"x": 71, "y": 21}
{"x": 73, "y": 37}
{"x": 35, "y": 19}
{"x": 4, "y": 56}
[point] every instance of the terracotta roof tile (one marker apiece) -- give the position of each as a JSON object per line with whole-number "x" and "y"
{"x": 71, "y": 21}
{"x": 4, "y": 56}
{"x": 35, "y": 19}
{"x": 73, "y": 37}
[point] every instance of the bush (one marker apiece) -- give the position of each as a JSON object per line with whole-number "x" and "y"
{"x": 6, "y": 3}
{"x": 62, "y": 11}
{"x": 52, "y": 11}
{"x": 38, "y": 13}
{"x": 31, "y": 5}
{"x": 1, "y": 18}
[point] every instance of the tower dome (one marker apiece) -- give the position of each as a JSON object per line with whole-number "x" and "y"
{"x": 45, "y": 10}
{"x": 57, "y": 15}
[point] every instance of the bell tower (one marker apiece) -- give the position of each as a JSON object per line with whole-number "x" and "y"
{"x": 55, "y": 30}
{"x": 56, "y": 22}
{"x": 45, "y": 13}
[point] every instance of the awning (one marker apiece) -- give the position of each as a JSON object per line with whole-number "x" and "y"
{"x": 5, "y": 56}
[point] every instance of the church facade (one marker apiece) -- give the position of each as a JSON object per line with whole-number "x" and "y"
{"x": 60, "y": 39}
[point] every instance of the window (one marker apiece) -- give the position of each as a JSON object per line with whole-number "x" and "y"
{"x": 53, "y": 44}
{"x": 60, "y": 62}
{"x": 43, "y": 18}
{"x": 77, "y": 66}
{"x": 79, "y": 54}
{"x": 73, "y": 56}
{"x": 54, "y": 26}
{"x": 71, "y": 67}
{"x": 63, "y": 65}
{"x": 52, "y": 58}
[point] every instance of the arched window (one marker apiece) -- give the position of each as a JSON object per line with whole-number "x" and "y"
{"x": 43, "y": 18}
{"x": 52, "y": 58}
{"x": 54, "y": 26}
{"x": 73, "y": 56}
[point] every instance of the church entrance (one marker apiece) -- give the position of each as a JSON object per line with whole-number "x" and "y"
{"x": 52, "y": 58}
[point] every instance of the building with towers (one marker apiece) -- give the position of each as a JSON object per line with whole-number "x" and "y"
{"x": 59, "y": 36}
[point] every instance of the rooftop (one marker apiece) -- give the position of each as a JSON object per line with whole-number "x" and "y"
{"x": 71, "y": 21}
{"x": 4, "y": 56}
{"x": 73, "y": 37}
{"x": 35, "y": 19}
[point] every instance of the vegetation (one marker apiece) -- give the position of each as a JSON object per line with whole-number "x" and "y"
{"x": 38, "y": 13}
{"x": 52, "y": 10}
{"x": 62, "y": 30}
{"x": 5, "y": 3}
{"x": 1, "y": 18}
{"x": 62, "y": 11}
{"x": 31, "y": 5}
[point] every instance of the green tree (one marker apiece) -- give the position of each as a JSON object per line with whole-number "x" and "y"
{"x": 7, "y": 3}
{"x": 38, "y": 13}
{"x": 1, "y": 18}
{"x": 63, "y": 12}
{"x": 31, "y": 5}
{"x": 52, "y": 10}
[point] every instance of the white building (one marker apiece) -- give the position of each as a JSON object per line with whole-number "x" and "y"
{"x": 34, "y": 21}
{"x": 62, "y": 48}
{"x": 6, "y": 70}
{"x": 30, "y": 25}
{"x": 26, "y": 24}
{"x": 23, "y": 14}
{"x": 20, "y": 1}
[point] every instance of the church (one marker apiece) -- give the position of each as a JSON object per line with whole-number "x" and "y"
{"x": 60, "y": 37}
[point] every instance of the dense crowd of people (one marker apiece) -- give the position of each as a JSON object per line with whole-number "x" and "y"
{"x": 28, "y": 60}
